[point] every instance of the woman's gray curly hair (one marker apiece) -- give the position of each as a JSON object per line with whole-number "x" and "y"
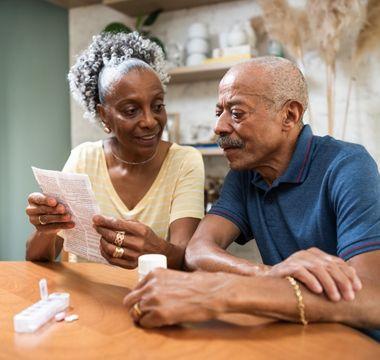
{"x": 110, "y": 50}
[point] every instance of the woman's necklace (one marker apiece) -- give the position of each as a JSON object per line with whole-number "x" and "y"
{"x": 135, "y": 163}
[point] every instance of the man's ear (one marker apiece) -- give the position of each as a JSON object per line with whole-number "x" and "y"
{"x": 292, "y": 113}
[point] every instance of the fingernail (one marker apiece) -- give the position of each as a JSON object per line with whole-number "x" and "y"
{"x": 351, "y": 295}
{"x": 336, "y": 297}
{"x": 358, "y": 285}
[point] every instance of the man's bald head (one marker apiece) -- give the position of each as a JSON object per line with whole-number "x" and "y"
{"x": 273, "y": 78}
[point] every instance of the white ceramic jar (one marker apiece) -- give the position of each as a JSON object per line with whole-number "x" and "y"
{"x": 237, "y": 36}
{"x": 198, "y": 30}
{"x": 195, "y": 59}
{"x": 197, "y": 46}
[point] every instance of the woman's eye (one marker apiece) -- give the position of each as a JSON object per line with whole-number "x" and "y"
{"x": 130, "y": 112}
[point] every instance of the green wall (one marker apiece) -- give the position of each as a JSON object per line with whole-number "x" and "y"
{"x": 34, "y": 109}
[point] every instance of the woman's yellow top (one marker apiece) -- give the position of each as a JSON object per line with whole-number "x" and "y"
{"x": 177, "y": 192}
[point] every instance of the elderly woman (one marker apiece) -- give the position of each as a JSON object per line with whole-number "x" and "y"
{"x": 148, "y": 189}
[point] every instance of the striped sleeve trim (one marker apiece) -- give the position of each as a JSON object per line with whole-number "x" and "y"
{"x": 361, "y": 248}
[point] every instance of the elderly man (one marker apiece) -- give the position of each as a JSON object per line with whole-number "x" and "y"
{"x": 311, "y": 203}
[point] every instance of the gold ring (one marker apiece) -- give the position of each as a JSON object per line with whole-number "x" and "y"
{"x": 137, "y": 309}
{"x": 40, "y": 221}
{"x": 118, "y": 253}
{"x": 120, "y": 235}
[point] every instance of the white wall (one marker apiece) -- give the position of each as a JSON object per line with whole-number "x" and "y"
{"x": 195, "y": 102}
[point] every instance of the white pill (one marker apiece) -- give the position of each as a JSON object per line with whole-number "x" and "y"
{"x": 60, "y": 316}
{"x": 71, "y": 318}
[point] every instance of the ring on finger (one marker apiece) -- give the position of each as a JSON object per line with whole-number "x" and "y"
{"x": 137, "y": 309}
{"x": 120, "y": 235}
{"x": 41, "y": 221}
{"x": 118, "y": 253}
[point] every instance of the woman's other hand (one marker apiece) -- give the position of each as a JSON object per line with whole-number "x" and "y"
{"x": 123, "y": 241}
{"x": 47, "y": 214}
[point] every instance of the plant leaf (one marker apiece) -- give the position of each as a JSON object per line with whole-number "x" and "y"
{"x": 145, "y": 33}
{"x": 139, "y": 22}
{"x": 159, "y": 43}
{"x": 117, "y": 27}
{"x": 152, "y": 17}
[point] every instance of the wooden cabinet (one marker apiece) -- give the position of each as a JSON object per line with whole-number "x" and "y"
{"x": 199, "y": 73}
{"x": 142, "y": 7}
{"x": 74, "y": 3}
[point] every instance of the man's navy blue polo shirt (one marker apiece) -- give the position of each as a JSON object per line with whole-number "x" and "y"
{"x": 329, "y": 198}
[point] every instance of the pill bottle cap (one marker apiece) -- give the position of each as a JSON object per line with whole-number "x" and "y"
{"x": 149, "y": 262}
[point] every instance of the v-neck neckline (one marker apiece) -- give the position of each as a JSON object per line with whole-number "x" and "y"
{"x": 115, "y": 195}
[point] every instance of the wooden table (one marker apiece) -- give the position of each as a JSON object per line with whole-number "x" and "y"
{"x": 105, "y": 330}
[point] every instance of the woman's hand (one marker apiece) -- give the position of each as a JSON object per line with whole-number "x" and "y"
{"x": 47, "y": 214}
{"x": 132, "y": 237}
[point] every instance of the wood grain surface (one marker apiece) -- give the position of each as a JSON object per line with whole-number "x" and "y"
{"x": 105, "y": 330}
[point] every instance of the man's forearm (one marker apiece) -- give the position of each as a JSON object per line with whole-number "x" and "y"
{"x": 213, "y": 258}
{"x": 275, "y": 297}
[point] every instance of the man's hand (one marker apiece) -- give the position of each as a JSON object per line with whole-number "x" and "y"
{"x": 167, "y": 297}
{"x": 320, "y": 272}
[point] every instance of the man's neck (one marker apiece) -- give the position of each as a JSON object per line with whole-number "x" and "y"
{"x": 279, "y": 163}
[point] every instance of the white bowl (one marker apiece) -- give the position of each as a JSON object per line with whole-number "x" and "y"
{"x": 197, "y": 46}
{"x": 195, "y": 59}
{"x": 198, "y": 30}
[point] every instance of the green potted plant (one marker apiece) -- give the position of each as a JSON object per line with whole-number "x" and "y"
{"x": 142, "y": 26}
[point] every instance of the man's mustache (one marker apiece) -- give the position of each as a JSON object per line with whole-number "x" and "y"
{"x": 227, "y": 142}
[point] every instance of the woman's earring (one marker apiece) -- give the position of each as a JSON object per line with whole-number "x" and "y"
{"x": 106, "y": 129}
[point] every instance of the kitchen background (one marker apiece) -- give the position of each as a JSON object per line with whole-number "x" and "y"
{"x": 36, "y": 37}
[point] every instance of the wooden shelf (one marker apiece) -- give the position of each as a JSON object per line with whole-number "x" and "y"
{"x": 207, "y": 150}
{"x": 142, "y": 7}
{"x": 211, "y": 152}
{"x": 74, "y": 3}
{"x": 202, "y": 72}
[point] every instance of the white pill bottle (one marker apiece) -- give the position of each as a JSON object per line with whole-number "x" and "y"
{"x": 149, "y": 262}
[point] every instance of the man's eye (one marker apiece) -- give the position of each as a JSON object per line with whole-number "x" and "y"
{"x": 218, "y": 113}
{"x": 158, "y": 108}
{"x": 237, "y": 115}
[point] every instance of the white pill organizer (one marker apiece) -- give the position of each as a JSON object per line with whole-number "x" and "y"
{"x": 33, "y": 317}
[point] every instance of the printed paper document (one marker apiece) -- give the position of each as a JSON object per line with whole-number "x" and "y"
{"x": 75, "y": 192}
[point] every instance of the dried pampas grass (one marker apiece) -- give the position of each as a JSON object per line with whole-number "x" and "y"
{"x": 367, "y": 39}
{"x": 282, "y": 24}
{"x": 289, "y": 26}
{"x": 333, "y": 20}
{"x": 330, "y": 23}
{"x": 369, "y": 35}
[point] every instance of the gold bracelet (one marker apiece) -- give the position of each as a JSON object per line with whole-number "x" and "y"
{"x": 300, "y": 304}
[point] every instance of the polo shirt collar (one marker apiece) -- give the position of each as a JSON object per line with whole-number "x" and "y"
{"x": 299, "y": 164}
